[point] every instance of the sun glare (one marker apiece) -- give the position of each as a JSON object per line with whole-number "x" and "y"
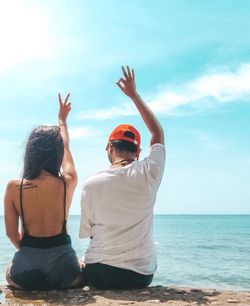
{"x": 24, "y": 33}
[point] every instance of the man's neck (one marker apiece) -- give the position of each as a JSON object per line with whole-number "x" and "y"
{"x": 123, "y": 160}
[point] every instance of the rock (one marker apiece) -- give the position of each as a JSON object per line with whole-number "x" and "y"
{"x": 52, "y": 292}
{"x": 178, "y": 291}
{"x": 159, "y": 295}
{"x": 154, "y": 301}
{"x": 195, "y": 290}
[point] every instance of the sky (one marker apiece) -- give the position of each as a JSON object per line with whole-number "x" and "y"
{"x": 192, "y": 67}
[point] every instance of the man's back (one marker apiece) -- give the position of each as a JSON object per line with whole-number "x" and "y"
{"x": 117, "y": 211}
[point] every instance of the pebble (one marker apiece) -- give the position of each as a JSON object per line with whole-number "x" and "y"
{"x": 145, "y": 292}
{"x": 212, "y": 299}
{"x": 41, "y": 295}
{"x": 232, "y": 301}
{"x": 52, "y": 292}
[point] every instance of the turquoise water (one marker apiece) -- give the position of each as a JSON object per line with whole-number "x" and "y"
{"x": 192, "y": 250}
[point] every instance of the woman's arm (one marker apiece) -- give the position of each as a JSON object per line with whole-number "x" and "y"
{"x": 127, "y": 85}
{"x": 68, "y": 167}
{"x": 11, "y": 216}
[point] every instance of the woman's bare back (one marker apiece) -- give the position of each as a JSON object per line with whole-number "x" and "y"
{"x": 43, "y": 205}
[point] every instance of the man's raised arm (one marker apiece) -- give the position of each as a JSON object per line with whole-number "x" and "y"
{"x": 127, "y": 85}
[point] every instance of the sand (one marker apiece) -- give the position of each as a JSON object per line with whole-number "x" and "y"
{"x": 157, "y": 295}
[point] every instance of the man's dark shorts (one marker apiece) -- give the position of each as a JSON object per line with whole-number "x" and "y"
{"x": 103, "y": 276}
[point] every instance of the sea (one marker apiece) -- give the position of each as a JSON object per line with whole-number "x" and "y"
{"x": 201, "y": 251}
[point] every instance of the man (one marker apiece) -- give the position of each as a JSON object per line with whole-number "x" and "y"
{"x": 117, "y": 204}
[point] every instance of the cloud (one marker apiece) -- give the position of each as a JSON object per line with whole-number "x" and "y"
{"x": 216, "y": 87}
{"x": 82, "y": 132}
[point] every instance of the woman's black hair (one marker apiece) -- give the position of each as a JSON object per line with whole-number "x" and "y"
{"x": 44, "y": 152}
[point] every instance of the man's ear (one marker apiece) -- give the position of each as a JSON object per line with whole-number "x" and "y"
{"x": 109, "y": 146}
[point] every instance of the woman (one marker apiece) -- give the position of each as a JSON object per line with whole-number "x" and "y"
{"x": 41, "y": 200}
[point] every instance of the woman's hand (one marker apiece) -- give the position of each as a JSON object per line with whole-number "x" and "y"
{"x": 127, "y": 84}
{"x": 68, "y": 167}
{"x": 64, "y": 109}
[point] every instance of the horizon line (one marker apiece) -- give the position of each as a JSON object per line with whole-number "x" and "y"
{"x": 190, "y": 214}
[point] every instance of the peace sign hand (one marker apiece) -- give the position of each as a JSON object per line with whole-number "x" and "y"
{"x": 64, "y": 109}
{"x": 127, "y": 84}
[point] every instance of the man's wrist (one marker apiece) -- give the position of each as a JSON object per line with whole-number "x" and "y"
{"x": 135, "y": 96}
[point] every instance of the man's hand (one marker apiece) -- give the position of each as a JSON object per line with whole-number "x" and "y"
{"x": 127, "y": 84}
{"x": 64, "y": 109}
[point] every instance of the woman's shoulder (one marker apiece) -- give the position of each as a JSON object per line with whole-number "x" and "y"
{"x": 13, "y": 183}
{"x": 13, "y": 187}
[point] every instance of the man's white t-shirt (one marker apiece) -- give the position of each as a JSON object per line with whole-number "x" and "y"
{"x": 117, "y": 212}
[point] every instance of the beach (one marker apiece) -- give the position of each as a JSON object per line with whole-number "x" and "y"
{"x": 155, "y": 295}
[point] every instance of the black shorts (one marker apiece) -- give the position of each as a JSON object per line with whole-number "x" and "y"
{"x": 45, "y": 269}
{"x": 101, "y": 276}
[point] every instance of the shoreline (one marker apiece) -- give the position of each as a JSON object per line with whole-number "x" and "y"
{"x": 161, "y": 295}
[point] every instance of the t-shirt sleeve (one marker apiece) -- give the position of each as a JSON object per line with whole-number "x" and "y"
{"x": 155, "y": 162}
{"x": 85, "y": 224}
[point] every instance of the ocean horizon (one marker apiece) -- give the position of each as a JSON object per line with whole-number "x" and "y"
{"x": 194, "y": 250}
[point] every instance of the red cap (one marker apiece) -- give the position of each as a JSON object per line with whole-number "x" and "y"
{"x": 119, "y": 133}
